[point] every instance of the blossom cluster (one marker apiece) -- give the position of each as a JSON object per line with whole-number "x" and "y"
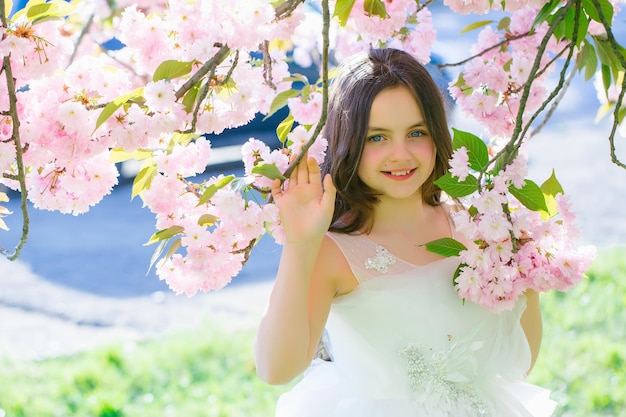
{"x": 515, "y": 248}
{"x": 489, "y": 88}
{"x": 405, "y": 25}
{"x": 83, "y": 108}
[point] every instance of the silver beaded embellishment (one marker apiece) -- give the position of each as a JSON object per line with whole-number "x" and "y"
{"x": 429, "y": 378}
{"x": 382, "y": 261}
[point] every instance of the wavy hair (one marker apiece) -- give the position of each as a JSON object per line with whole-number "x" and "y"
{"x": 352, "y": 92}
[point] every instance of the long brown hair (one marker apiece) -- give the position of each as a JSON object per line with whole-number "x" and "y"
{"x": 352, "y": 92}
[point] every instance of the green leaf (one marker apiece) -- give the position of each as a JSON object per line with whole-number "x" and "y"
{"x": 606, "y": 55}
{"x": 207, "y": 220}
{"x": 213, "y": 188}
{"x": 120, "y": 155}
{"x": 505, "y": 158}
{"x": 37, "y": 11}
{"x": 189, "y": 99}
{"x": 112, "y": 107}
{"x": 270, "y": 171}
{"x": 375, "y": 8}
{"x": 296, "y": 77}
{"x": 284, "y": 128}
{"x": 504, "y": 23}
{"x": 342, "y": 10}
{"x": 241, "y": 185}
{"x": 567, "y": 26}
{"x": 545, "y": 12}
{"x": 476, "y": 149}
{"x": 606, "y": 76}
{"x": 143, "y": 180}
{"x": 157, "y": 253}
{"x": 530, "y": 195}
{"x": 605, "y": 6}
{"x": 550, "y": 188}
{"x": 170, "y": 69}
{"x": 280, "y": 101}
{"x": 455, "y": 188}
{"x": 8, "y": 7}
{"x": 475, "y": 25}
{"x": 184, "y": 139}
{"x": 176, "y": 244}
{"x": 445, "y": 247}
{"x": 603, "y": 110}
{"x": 588, "y": 60}
{"x": 165, "y": 234}
{"x": 456, "y": 274}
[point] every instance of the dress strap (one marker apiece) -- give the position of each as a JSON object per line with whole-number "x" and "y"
{"x": 356, "y": 249}
{"x": 366, "y": 258}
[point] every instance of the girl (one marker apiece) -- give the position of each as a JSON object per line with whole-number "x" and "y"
{"x": 403, "y": 344}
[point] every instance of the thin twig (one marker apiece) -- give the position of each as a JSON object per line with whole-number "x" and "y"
{"x": 513, "y": 144}
{"x": 422, "y": 6}
{"x": 322, "y": 121}
{"x": 555, "y": 104}
{"x": 267, "y": 65}
{"x": 562, "y": 77}
{"x": 492, "y": 47}
{"x": 19, "y": 156}
{"x": 615, "y": 47}
{"x": 83, "y": 32}
{"x": 217, "y": 59}
{"x": 542, "y": 71}
{"x": 286, "y": 8}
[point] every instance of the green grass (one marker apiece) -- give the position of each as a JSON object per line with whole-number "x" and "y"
{"x": 583, "y": 355}
{"x": 210, "y": 373}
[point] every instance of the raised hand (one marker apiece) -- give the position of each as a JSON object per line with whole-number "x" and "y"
{"x": 306, "y": 208}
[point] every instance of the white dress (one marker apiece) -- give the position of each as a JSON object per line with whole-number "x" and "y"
{"x": 404, "y": 344}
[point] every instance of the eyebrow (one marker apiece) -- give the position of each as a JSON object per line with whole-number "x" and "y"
{"x": 380, "y": 129}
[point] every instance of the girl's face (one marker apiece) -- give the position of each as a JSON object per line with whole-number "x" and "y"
{"x": 399, "y": 154}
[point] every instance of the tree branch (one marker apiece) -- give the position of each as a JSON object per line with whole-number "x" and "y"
{"x": 509, "y": 150}
{"x": 286, "y": 8}
{"x": 620, "y": 99}
{"x": 211, "y": 64}
{"x": 83, "y": 32}
{"x": 19, "y": 157}
{"x": 322, "y": 121}
{"x": 555, "y": 104}
{"x": 491, "y": 48}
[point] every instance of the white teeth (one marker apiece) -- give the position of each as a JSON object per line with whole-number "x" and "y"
{"x": 399, "y": 173}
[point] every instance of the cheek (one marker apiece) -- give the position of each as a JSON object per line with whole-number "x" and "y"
{"x": 425, "y": 150}
{"x": 366, "y": 164}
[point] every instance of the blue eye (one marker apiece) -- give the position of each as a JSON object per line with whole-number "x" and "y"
{"x": 376, "y": 138}
{"x": 416, "y": 134}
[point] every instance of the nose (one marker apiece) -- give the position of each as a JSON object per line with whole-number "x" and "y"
{"x": 399, "y": 150}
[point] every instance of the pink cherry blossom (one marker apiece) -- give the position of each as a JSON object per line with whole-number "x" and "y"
{"x": 309, "y": 112}
{"x": 159, "y": 95}
{"x": 459, "y": 164}
{"x": 69, "y": 161}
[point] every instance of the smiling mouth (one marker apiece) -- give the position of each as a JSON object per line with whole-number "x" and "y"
{"x": 400, "y": 174}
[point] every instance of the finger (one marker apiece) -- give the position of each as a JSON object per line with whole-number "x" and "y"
{"x": 276, "y": 190}
{"x": 315, "y": 176}
{"x": 330, "y": 193}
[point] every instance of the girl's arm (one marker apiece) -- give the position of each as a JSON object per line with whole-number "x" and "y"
{"x": 531, "y": 323}
{"x": 296, "y": 314}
